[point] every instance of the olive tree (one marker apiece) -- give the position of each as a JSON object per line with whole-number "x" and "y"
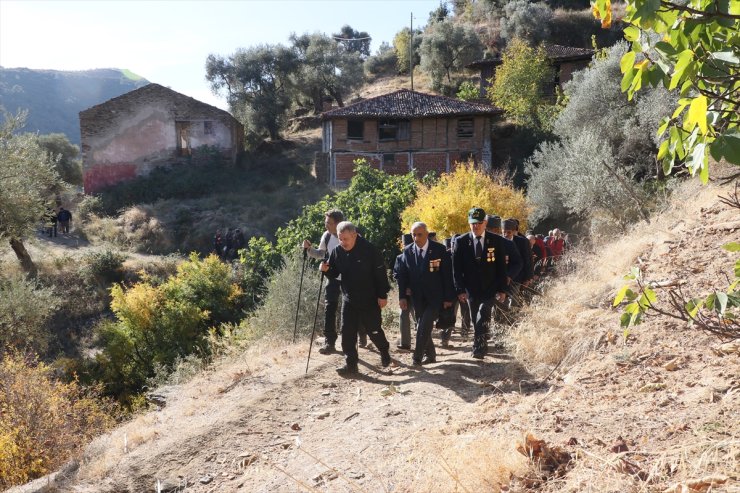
{"x": 28, "y": 180}
{"x": 446, "y": 49}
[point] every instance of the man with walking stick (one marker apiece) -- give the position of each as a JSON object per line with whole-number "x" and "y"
{"x": 329, "y": 241}
{"x": 364, "y": 293}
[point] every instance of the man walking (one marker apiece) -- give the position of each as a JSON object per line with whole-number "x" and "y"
{"x": 329, "y": 241}
{"x": 64, "y": 217}
{"x": 364, "y": 293}
{"x": 479, "y": 272}
{"x": 426, "y": 271}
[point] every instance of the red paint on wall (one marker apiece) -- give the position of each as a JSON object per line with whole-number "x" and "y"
{"x": 97, "y": 178}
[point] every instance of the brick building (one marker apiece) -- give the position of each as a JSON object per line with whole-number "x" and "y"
{"x": 404, "y": 130}
{"x": 565, "y": 59}
{"x": 152, "y": 126}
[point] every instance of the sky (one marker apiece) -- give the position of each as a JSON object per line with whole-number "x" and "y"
{"x": 167, "y": 42}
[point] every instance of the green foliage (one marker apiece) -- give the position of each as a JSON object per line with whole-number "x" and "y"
{"x": 64, "y": 154}
{"x": 373, "y": 202}
{"x": 444, "y": 205}
{"x": 157, "y": 324}
{"x": 44, "y": 422}
{"x": 257, "y": 82}
{"x": 25, "y": 308}
{"x": 88, "y": 206}
{"x": 353, "y": 41}
{"x": 401, "y": 44}
{"x": 384, "y": 62}
{"x": 325, "y": 67}
{"x": 468, "y": 91}
{"x": 597, "y": 168}
{"x": 258, "y": 261}
{"x": 690, "y": 46}
{"x": 271, "y": 319}
{"x": 446, "y": 49}
{"x": 27, "y": 180}
{"x": 522, "y": 84}
{"x": 526, "y": 21}
{"x": 104, "y": 267}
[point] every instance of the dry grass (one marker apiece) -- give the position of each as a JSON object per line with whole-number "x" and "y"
{"x": 573, "y": 315}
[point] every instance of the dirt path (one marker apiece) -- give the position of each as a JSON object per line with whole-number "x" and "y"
{"x": 278, "y": 430}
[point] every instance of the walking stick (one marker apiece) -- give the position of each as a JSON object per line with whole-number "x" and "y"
{"x": 316, "y": 315}
{"x": 300, "y": 290}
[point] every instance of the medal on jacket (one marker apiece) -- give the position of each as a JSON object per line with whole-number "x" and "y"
{"x": 434, "y": 265}
{"x": 491, "y": 255}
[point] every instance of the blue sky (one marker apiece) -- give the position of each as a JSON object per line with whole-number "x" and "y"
{"x": 168, "y": 41}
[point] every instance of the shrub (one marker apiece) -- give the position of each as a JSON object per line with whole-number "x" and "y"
{"x": 25, "y": 307}
{"x": 522, "y": 84}
{"x": 43, "y": 422}
{"x": 525, "y": 20}
{"x": 605, "y": 150}
{"x": 156, "y": 325}
{"x": 90, "y": 205}
{"x": 373, "y": 202}
{"x": 384, "y": 62}
{"x": 104, "y": 267}
{"x": 272, "y": 319}
{"x": 257, "y": 263}
{"x": 444, "y": 206}
{"x": 468, "y": 91}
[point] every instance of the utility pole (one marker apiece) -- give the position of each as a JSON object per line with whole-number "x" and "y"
{"x": 411, "y": 51}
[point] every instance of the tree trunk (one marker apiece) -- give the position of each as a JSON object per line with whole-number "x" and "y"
{"x": 25, "y": 259}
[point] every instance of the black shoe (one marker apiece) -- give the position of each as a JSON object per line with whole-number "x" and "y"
{"x": 385, "y": 359}
{"x": 428, "y": 361}
{"x": 327, "y": 349}
{"x": 404, "y": 347}
{"x": 478, "y": 354}
{"x": 416, "y": 362}
{"x": 347, "y": 370}
{"x": 445, "y": 343}
{"x": 363, "y": 341}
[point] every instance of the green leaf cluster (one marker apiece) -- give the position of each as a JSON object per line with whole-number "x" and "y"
{"x": 373, "y": 202}
{"x": 693, "y": 47}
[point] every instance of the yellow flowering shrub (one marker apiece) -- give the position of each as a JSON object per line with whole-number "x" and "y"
{"x": 43, "y": 422}
{"x": 444, "y": 205}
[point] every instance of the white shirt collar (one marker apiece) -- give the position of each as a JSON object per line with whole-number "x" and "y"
{"x": 424, "y": 248}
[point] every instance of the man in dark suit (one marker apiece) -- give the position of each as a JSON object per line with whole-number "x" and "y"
{"x": 479, "y": 271}
{"x": 425, "y": 270}
{"x": 364, "y": 293}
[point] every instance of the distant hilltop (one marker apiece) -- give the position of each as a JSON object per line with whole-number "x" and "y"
{"x": 54, "y": 98}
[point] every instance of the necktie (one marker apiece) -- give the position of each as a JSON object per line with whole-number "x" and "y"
{"x": 478, "y": 247}
{"x": 420, "y": 259}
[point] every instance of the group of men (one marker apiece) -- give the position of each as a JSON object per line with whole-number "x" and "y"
{"x": 228, "y": 245}
{"x": 477, "y": 272}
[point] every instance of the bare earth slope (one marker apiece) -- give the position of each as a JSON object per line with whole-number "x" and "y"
{"x": 648, "y": 411}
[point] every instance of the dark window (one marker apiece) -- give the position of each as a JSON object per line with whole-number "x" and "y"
{"x": 464, "y": 128}
{"x": 389, "y": 159}
{"x": 208, "y": 128}
{"x": 355, "y": 129}
{"x": 393, "y": 129}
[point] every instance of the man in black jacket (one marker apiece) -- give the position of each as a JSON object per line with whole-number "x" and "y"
{"x": 511, "y": 232}
{"x": 479, "y": 271}
{"x": 364, "y": 292}
{"x": 425, "y": 270}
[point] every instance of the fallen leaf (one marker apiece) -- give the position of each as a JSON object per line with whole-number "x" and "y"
{"x": 672, "y": 365}
{"x": 729, "y": 348}
{"x": 295, "y": 427}
{"x": 619, "y": 446}
{"x": 652, "y": 387}
{"x": 697, "y": 485}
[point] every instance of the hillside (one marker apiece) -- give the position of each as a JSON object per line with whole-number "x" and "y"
{"x": 645, "y": 411}
{"x": 54, "y": 98}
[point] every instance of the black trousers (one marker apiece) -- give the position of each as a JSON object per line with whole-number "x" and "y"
{"x": 331, "y": 303}
{"x": 353, "y": 319}
{"x": 481, "y": 310}
{"x": 426, "y": 314}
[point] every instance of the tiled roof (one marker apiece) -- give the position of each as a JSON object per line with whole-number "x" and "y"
{"x": 556, "y": 53}
{"x": 410, "y": 104}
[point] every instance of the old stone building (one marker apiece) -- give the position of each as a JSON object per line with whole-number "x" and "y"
{"x": 152, "y": 126}
{"x": 404, "y": 130}
{"x": 565, "y": 60}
